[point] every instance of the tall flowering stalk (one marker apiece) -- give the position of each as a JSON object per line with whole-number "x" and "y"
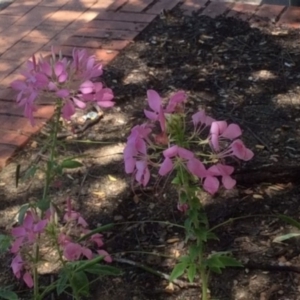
{"x": 72, "y": 84}
{"x": 198, "y": 150}
{"x": 62, "y": 236}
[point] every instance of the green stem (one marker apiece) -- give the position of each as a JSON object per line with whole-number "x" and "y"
{"x": 204, "y": 279}
{"x": 53, "y": 137}
{"x": 35, "y": 272}
{"x": 238, "y": 218}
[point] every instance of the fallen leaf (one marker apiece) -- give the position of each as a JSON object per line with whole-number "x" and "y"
{"x": 261, "y": 147}
{"x": 169, "y": 288}
{"x": 248, "y": 192}
{"x": 34, "y": 144}
{"x": 99, "y": 194}
{"x": 111, "y": 178}
{"x": 172, "y": 240}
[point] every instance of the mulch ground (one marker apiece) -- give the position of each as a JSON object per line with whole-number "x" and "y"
{"x": 245, "y": 75}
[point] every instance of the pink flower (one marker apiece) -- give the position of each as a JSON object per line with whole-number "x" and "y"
{"x": 27, "y": 232}
{"x": 157, "y": 113}
{"x": 174, "y": 151}
{"x": 55, "y": 77}
{"x": 97, "y": 239}
{"x": 72, "y": 215}
{"x": 60, "y": 70}
{"x": 68, "y": 109}
{"x": 183, "y": 207}
{"x": 136, "y": 147}
{"x": 225, "y": 172}
{"x": 240, "y": 151}
{"x": 176, "y": 102}
{"x": 17, "y": 266}
{"x": 142, "y": 174}
{"x": 95, "y": 92}
{"x": 85, "y": 66}
{"x": 201, "y": 120}
{"x": 107, "y": 257}
{"x": 74, "y": 251}
{"x": 209, "y": 182}
{"x": 220, "y": 129}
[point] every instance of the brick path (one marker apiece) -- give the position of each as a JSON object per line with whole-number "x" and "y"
{"x": 32, "y": 26}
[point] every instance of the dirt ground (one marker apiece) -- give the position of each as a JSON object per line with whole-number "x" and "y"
{"x": 235, "y": 72}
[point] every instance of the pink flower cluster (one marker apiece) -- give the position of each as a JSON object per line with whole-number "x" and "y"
{"x": 223, "y": 142}
{"x": 69, "y": 81}
{"x": 26, "y": 235}
{"x": 73, "y": 250}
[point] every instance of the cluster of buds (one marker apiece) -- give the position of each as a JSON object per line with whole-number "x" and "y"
{"x": 69, "y": 81}
{"x": 209, "y": 166}
{"x": 66, "y": 235}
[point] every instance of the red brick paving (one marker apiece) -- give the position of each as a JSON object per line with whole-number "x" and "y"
{"x": 103, "y": 27}
{"x": 215, "y": 9}
{"x": 190, "y": 6}
{"x": 290, "y": 18}
{"x": 242, "y": 11}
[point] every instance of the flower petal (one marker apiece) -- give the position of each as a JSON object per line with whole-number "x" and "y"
{"x": 228, "y": 182}
{"x": 240, "y": 151}
{"x": 232, "y": 132}
{"x": 154, "y": 100}
{"x": 68, "y": 110}
{"x": 171, "y": 151}
{"x": 211, "y": 184}
{"x": 184, "y": 153}
{"x": 28, "y": 279}
{"x": 107, "y": 257}
{"x": 196, "y": 167}
{"x": 165, "y": 167}
{"x": 87, "y": 87}
{"x": 151, "y": 115}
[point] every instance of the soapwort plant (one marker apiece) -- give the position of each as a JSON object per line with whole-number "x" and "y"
{"x": 198, "y": 150}
{"x": 42, "y": 226}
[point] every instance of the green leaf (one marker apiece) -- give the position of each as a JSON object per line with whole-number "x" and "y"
{"x": 219, "y": 261}
{"x": 214, "y": 264}
{"x": 61, "y": 284}
{"x": 103, "y": 270}
{"x": 43, "y": 204}
{"x": 8, "y": 295}
{"x": 4, "y": 243}
{"x": 176, "y": 180}
{"x": 96, "y": 230}
{"x": 285, "y": 237}
{"x": 70, "y": 164}
{"x": 30, "y": 172}
{"x": 289, "y": 220}
{"x": 229, "y": 261}
{"x": 185, "y": 259}
{"x": 191, "y": 272}
{"x": 194, "y": 251}
{"x": 178, "y": 271}
{"x": 22, "y": 212}
{"x": 202, "y": 234}
{"x": 81, "y": 283}
{"x": 85, "y": 264}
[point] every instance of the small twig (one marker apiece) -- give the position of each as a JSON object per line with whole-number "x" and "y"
{"x": 180, "y": 283}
